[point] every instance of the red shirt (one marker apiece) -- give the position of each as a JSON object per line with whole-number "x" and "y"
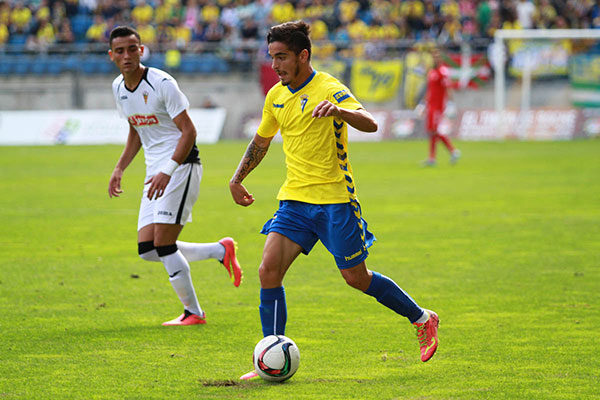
{"x": 438, "y": 81}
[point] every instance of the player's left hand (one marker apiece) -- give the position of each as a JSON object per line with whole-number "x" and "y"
{"x": 326, "y": 109}
{"x": 158, "y": 184}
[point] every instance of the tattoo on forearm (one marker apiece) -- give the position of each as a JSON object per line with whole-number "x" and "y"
{"x": 253, "y": 157}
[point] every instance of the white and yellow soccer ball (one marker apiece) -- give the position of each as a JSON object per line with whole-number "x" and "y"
{"x": 276, "y": 358}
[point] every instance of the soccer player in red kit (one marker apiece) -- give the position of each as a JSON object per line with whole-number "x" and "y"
{"x": 436, "y": 99}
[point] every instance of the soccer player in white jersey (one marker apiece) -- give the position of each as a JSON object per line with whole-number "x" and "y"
{"x": 156, "y": 110}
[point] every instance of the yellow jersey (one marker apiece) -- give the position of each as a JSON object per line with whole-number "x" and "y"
{"x": 316, "y": 157}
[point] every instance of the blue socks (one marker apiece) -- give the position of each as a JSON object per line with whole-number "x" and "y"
{"x": 273, "y": 311}
{"x": 393, "y": 297}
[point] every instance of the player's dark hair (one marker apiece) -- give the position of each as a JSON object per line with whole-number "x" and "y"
{"x": 123, "y": 31}
{"x": 293, "y": 34}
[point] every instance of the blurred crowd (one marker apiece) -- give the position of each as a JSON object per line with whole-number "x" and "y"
{"x": 37, "y": 25}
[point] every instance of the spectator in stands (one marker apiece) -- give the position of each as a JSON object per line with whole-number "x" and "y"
{"x": 59, "y": 13}
{"x": 283, "y": 11}
{"x": 65, "y": 34}
{"x": 20, "y": 18}
{"x": 96, "y": 33}
{"x": 183, "y": 36}
{"x": 4, "y": 35}
{"x": 525, "y": 12}
{"x": 415, "y": 17}
{"x": 484, "y": 16}
{"x": 214, "y": 32}
{"x": 229, "y": 17}
{"x": 142, "y": 14}
{"x": 249, "y": 30}
{"x": 211, "y": 12}
{"x": 108, "y": 9}
{"x": 42, "y": 11}
{"x": 348, "y": 10}
{"x": 162, "y": 12}
{"x": 5, "y": 13}
{"x": 545, "y": 15}
{"x": 71, "y": 7}
{"x": 148, "y": 34}
{"x": 191, "y": 14}
{"x": 42, "y": 36}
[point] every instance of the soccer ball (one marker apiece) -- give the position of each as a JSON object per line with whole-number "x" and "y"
{"x": 276, "y": 358}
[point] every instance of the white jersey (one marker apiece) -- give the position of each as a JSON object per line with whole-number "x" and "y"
{"x": 150, "y": 109}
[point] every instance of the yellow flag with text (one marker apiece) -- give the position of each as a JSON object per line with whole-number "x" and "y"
{"x": 376, "y": 81}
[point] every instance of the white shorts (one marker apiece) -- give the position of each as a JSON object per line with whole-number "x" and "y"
{"x": 175, "y": 205}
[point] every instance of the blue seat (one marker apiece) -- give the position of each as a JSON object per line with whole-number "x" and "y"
{"x": 6, "y": 66}
{"x": 39, "y": 66}
{"x": 80, "y": 24}
{"x": 55, "y": 66}
{"x": 189, "y": 64}
{"x": 105, "y": 66}
{"x": 72, "y": 63}
{"x": 156, "y": 61}
{"x": 17, "y": 42}
{"x": 22, "y": 65}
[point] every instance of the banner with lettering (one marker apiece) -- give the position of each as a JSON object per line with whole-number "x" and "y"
{"x": 584, "y": 75}
{"x": 418, "y": 63}
{"x": 545, "y": 58}
{"x": 376, "y": 81}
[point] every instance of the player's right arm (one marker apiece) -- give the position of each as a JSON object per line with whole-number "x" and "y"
{"x": 132, "y": 147}
{"x": 256, "y": 151}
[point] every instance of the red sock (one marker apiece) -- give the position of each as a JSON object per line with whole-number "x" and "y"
{"x": 447, "y": 142}
{"x": 432, "y": 141}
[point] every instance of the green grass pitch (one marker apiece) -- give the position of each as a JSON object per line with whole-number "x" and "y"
{"x": 505, "y": 246}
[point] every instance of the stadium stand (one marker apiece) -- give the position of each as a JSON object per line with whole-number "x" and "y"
{"x": 216, "y": 36}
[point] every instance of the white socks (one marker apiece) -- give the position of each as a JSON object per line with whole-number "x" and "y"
{"x": 423, "y": 318}
{"x": 179, "y": 275}
{"x": 192, "y": 251}
{"x": 201, "y": 251}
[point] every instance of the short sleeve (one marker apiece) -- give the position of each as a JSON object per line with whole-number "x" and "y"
{"x": 268, "y": 124}
{"x": 341, "y": 96}
{"x": 115, "y": 88}
{"x": 173, "y": 98}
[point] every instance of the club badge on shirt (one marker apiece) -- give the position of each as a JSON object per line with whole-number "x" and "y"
{"x": 145, "y": 94}
{"x": 303, "y": 101}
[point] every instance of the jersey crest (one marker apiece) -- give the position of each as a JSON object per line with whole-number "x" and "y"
{"x": 303, "y": 101}
{"x": 145, "y": 94}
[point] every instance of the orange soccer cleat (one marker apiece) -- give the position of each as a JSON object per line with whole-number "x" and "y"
{"x": 428, "y": 335}
{"x": 230, "y": 261}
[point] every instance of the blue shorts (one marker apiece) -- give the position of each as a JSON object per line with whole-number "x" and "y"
{"x": 340, "y": 227}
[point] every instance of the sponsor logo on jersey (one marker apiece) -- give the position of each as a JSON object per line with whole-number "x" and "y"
{"x": 143, "y": 120}
{"x": 341, "y": 95}
{"x": 167, "y": 213}
{"x": 303, "y": 101}
{"x": 145, "y": 94}
{"x": 124, "y": 97}
{"x": 277, "y": 105}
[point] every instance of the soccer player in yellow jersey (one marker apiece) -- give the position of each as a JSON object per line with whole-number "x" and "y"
{"x": 318, "y": 199}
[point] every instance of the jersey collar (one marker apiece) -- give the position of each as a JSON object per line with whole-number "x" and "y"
{"x": 306, "y": 82}
{"x": 143, "y": 78}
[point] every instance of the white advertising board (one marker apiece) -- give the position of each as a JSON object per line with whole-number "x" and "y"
{"x": 89, "y": 127}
